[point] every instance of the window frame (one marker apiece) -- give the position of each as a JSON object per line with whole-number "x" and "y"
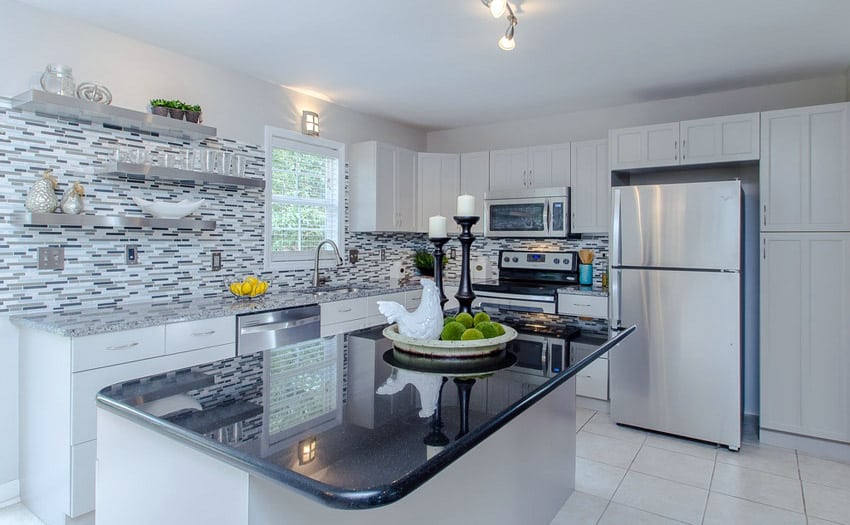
{"x": 274, "y": 137}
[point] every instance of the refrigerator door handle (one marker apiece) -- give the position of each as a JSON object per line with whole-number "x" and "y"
{"x": 614, "y": 314}
{"x": 616, "y": 243}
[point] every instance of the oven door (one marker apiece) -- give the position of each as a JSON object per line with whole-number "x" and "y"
{"x": 519, "y": 303}
{"x": 517, "y": 217}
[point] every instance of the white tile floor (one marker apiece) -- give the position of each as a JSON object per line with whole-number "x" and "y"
{"x": 626, "y": 476}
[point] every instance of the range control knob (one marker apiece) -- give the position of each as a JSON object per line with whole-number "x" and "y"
{"x": 515, "y": 259}
{"x": 557, "y": 261}
{"x": 507, "y": 259}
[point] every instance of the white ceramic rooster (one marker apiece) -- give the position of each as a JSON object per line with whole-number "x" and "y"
{"x": 426, "y": 322}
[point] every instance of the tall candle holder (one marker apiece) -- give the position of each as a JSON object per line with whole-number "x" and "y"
{"x": 439, "y": 254}
{"x": 464, "y": 294}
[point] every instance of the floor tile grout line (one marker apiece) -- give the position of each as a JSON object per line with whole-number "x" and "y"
{"x": 628, "y": 469}
{"x": 710, "y": 483}
{"x": 758, "y": 502}
{"x": 802, "y": 489}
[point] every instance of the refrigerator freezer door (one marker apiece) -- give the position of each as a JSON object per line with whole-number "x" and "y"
{"x": 680, "y": 371}
{"x": 695, "y": 225}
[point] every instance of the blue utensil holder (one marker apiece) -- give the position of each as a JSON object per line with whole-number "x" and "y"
{"x": 585, "y": 274}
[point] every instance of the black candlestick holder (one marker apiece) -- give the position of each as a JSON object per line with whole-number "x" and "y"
{"x": 464, "y": 294}
{"x": 439, "y": 254}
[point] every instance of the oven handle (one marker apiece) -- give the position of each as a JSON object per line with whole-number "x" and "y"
{"x": 273, "y": 327}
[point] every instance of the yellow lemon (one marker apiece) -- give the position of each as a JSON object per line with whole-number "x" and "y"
{"x": 251, "y": 279}
{"x": 265, "y": 286}
{"x": 236, "y": 288}
{"x": 247, "y": 288}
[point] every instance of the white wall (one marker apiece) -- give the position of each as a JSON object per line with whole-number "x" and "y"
{"x": 595, "y": 123}
{"x": 135, "y": 72}
{"x": 238, "y": 105}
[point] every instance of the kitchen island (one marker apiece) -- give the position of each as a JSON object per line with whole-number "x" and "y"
{"x": 286, "y": 437}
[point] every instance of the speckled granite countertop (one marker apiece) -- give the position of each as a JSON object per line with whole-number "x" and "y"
{"x": 576, "y": 289}
{"x": 90, "y": 321}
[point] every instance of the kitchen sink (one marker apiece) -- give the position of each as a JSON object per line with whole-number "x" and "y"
{"x": 335, "y": 289}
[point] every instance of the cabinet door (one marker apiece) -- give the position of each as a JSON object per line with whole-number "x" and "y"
{"x": 475, "y": 180}
{"x": 405, "y": 190}
{"x": 805, "y": 365}
{"x": 591, "y": 187}
{"x": 644, "y": 146}
{"x": 449, "y": 185}
{"x": 548, "y": 166}
{"x": 720, "y": 139}
{"x": 508, "y": 169}
{"x": 385, "y": 191}
{"x": 804, "y": 182}
{"x": 439, "y": 186}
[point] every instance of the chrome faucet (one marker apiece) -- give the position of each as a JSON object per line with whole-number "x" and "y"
{"x": 316, "y": 262}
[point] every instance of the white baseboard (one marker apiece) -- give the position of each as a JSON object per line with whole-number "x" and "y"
{"x": 807, "y": 445}
{"x": 10, "y": 493}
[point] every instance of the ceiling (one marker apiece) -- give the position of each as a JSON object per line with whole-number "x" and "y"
{"x": 435, "y": 64}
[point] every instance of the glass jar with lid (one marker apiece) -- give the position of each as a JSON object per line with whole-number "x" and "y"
{"x": 57, "y": 78}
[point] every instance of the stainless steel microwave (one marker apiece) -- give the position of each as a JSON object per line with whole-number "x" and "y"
{"x": 540, "y": 212}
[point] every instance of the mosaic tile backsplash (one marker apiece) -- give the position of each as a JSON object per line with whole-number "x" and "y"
{"x": 173, "y": 263}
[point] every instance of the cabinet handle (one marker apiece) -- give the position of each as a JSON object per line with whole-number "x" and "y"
{"x": 684, "y": 149}
{"x": 579, "y": 304}
{"x": 676, "y": 149}
{"x": 764, "y": 249}
{"x": 122, "y": 347}
{"x": 764, "y": 215}
{"x": 344, "y": 310}
{"x": 209, "y": 332}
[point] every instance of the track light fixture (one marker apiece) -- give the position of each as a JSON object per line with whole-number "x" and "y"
{"x": 497, "y": 9}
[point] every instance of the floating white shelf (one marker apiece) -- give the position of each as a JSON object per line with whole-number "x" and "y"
{"x": 110, "y": 116}
{"x": 62, "y": 219}
{"x": 150, "y": 172}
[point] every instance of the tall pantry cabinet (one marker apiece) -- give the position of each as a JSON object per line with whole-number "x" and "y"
{"x": 805, "y": 273}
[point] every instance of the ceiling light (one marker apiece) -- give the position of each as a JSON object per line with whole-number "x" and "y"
{"x": 497, "y": 7}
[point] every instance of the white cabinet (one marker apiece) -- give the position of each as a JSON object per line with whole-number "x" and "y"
{"x": 581, "y": 305}
{"x": 475, "y": 180}
{"x": 720, "y": 139}
{"x": 804, "y": 170}
{"x": 383, "y": 187}
{"x": 805, "y": 334}
{"x": 644, "y": 146}
{"x": 60, "y": 377}
{"x": 728, "y": 138}
{"x": 592, "y": 380}
{"x": 590, "y": 191}
{"x": 439, "y": 186}
{"x": 525, "y": 168}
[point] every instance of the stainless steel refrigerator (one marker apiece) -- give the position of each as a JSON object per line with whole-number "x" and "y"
{"x": 676, "y": 273}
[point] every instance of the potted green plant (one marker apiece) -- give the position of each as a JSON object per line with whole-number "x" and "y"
{"x": 424, "y": 262}
{"x": 193, "y": 112}
{"x": 159, "y": 107}
{"x": 175, "y": 109}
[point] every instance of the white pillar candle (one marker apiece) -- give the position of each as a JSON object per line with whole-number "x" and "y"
{"x": 437, "y": 227}
{"x": 465, "y": 205}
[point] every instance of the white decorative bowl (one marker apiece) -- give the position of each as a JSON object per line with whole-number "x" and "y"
{"x": 169, "y": 210}
{"x": 439, "y": 348}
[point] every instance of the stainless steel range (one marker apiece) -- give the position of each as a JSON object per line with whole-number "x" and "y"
{"x": 528, "y": 281}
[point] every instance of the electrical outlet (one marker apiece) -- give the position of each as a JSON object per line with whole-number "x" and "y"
{"x": 51, "y": 258}
{"x": 452, "y": 253}
{"x": 352, "y": 256}
{"x": 216, "y": 261}
{"x": 131, "y": 254}
{"x": 383, "y": 254}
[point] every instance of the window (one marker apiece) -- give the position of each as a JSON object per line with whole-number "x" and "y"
{"x": 304, "y": 202}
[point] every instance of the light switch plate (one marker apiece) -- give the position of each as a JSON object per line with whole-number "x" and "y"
{"x": 353, "y": 256}
{"x": 383, "y": 254}
{"x": 131, "y": 254}
{"x": 51, "y": 258}
{"x": 216, "y": 261}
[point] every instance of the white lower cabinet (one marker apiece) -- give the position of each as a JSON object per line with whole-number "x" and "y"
{"x": 583, "y": 305}
{"x": 805, "y": 334}
{"x": 592, "y": 380}
{"x": 60, "y": 377}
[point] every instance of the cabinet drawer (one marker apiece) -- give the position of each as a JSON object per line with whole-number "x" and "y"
{"x": 113, "y": 348}
{"x": 341, "y": 311}
{"x": 373, "y": 311}
{"x": 583, "y": 305}
{"x": 412, "y": 299}
{"x": 85, "y": 385}
{"x": 83, "y": 467}
{"x": 592, "y": 380}
{"x": 191, "y": 335}
{"x": 345, "y": 326}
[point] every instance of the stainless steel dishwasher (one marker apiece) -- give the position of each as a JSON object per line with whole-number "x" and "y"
{"x": 277, "y": 328}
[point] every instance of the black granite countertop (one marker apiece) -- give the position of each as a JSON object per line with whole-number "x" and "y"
{"x": 361, "y": 449}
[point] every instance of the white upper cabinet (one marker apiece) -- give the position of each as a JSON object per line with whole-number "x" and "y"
{"x": 525, "y": 168}
{"x": 704, "y": 141}
{"x": 644, "y": 146}
{"x": 804, "y": 178}
{"x": 720, "y": 139}
{"x": 590, "y": 193}
{"x": 475, "y": 180}
{"x": 383, "y": 187}
{"x": 439, "y": 186}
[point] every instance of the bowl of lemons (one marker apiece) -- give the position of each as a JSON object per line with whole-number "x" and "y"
{"x": 249, "y": 288}
{"x": 464, "y": 335}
